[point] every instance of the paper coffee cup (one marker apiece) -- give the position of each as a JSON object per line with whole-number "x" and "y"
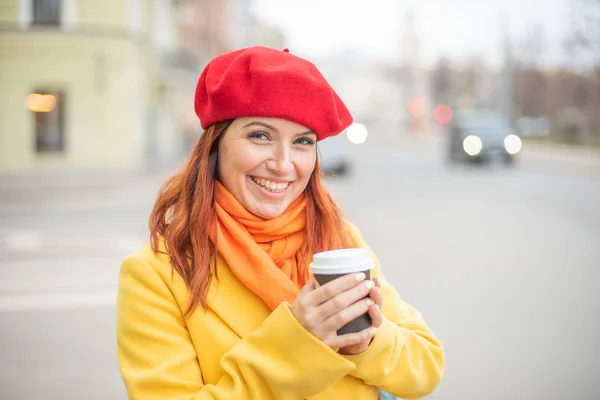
{"x": 330, "y": 265}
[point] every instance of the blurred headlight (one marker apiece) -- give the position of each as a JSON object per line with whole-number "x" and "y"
{"x": 357, "y": 133}
{"x": 472, "y": 145}
{"x": 513, "y": 144}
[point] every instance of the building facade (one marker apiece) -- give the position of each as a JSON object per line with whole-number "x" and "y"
{"x": 83, "y": 83}
{"x": 209, "y": 28}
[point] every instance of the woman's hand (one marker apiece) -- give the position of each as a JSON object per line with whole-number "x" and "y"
{"x": 376, "y": 317}
{"x": 322, "y": 310}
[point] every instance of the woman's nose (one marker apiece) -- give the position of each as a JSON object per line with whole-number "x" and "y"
{"x": 281, "y": 162}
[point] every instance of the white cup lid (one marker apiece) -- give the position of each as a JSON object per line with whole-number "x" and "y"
{"x": 343, "y": 261}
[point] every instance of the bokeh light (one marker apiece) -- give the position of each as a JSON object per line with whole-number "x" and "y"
{"x": 357, "y": 133}
{"x": 40, "y": 102}
{"x": 419, "y": 125}
{"x": 416, "y": 107}
{"x": 442, "y": 114}
{"x": 472, "y": 145}
{"x": 513, "y": 144}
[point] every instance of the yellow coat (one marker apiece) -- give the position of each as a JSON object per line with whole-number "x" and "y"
{"x": 240, "y": 349}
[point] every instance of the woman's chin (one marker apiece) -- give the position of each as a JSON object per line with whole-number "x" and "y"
{"x": 268, "y": 211}
{"x": 266, "y": 204}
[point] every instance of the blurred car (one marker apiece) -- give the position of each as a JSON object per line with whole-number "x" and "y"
{"x": 480, "y": 136}
{"x": 336, "y": 152}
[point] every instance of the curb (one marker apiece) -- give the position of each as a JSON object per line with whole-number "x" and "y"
{"x": 587, "y": 159}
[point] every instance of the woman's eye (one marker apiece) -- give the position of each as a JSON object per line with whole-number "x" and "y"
{"x": 306, "y": 141}
{"x": 259, "y": 136}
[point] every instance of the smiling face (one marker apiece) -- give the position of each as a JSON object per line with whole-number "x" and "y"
{"x": 266, "y": 163}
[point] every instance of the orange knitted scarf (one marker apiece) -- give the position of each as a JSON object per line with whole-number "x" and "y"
{"x": 263, "y": 254}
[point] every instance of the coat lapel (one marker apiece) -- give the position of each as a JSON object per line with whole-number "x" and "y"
{"x": 236, "y": 305}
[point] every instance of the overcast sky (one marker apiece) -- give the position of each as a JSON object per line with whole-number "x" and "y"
{"x": 456, "y": 28}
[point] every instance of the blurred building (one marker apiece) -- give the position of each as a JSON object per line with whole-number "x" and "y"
{"x": 267, "y": 35}
{"x": 414, "y": 79}
{"x": 88, "y": 83}
{"x": 242, "y": 23}
{"x": 475, "y": 85}
{"x": 247, "y": 30}
{"x": 209, "y": 28}
{"x": 370, "y": 89}
{"x": 205, "y": 30}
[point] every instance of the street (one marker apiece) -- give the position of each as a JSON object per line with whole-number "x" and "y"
{"x": 503, "y": 263}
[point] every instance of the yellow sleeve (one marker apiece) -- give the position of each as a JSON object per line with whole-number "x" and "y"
{"x": 158, "y": 360}
{"x": 404, "y": 358}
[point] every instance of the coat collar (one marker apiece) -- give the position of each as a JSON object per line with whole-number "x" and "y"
{"x": 234, "y": 303}
{"x": 227, "y": 297}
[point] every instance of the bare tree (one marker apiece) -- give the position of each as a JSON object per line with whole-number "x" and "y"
{"x": 441, "y": 82}
{"x": 584, "y": 35}
{"x": 530, "y": 94}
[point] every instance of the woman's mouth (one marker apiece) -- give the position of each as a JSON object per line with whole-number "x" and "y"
{"x": 273, "y": 187}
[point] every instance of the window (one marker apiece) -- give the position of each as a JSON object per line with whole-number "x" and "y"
{"x": 48, "y": 107}
{"x": 46, "y": 12}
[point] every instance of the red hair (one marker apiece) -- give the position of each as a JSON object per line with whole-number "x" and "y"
{"x": 184, "y": 211}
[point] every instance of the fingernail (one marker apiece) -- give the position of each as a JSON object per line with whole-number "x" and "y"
{"x": 373, "y": 331}
{"x": 370, "y": 302}
{"x": 361, "y": 277}
{"x": 370, "y": 285}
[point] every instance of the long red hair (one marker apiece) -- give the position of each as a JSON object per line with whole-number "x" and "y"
{"x": 184, "y": 211}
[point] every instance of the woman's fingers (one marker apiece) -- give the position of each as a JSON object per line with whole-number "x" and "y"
{"x": 345, "y": 299}
{"x": 347, "y": 314}
{"x": 376, "y": 316}
{"x": 301, "y": 307}
{"x": 375, "y": 294}
{"x": 309, "y": 286}
{"x": 303, "y": 299}
{"x": 324, "y": 309}
{"x": 331, "y": 289}
{"x": 375, "y": 310}
{"x": 350, "y": 339}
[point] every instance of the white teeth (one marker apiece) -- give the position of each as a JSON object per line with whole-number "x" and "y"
{"x": 271, "y": 186}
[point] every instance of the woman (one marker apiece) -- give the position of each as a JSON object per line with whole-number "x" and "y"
{"x": 220, "y": 304}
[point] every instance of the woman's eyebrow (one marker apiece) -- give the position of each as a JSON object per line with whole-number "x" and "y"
{"x": 306, "y": 133}
{"x": 260, "y": 123}
{"x": 265, "y": 125}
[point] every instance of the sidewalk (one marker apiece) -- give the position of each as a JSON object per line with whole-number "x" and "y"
{"x": 547, "y": 155}
{"x": 19, "y": 188}
{"x": 584, "y": 158}
{"x": 74, "y": 178}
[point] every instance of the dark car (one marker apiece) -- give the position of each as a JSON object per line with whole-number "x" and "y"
{"x": 479, "y": 136}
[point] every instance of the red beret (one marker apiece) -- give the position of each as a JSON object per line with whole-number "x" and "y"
{"x": 263, "y": 82}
